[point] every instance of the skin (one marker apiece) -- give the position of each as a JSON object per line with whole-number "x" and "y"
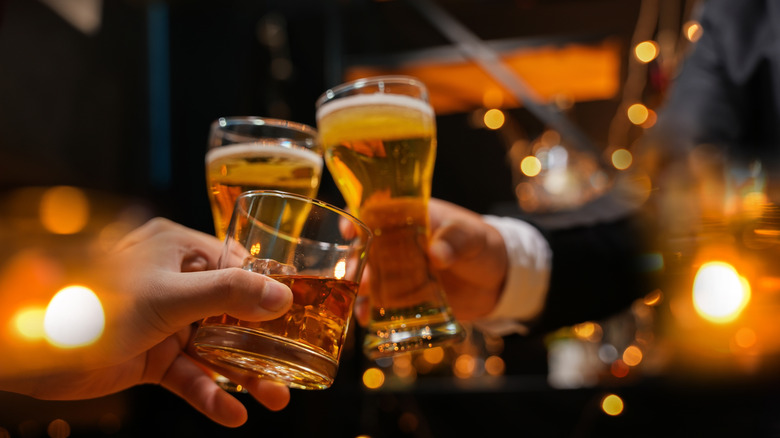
{"x": 159, "y": 280}
{"x": 469, "y": 257}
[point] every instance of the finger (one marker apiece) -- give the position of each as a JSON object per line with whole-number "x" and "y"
{"x": 189, "y": 297}
{"x": 453, "y": 241}
{"x": 187, "y": 380}
{"x": 274, "y": 396}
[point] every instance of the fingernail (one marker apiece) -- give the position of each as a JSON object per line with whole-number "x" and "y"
{"x": 276, "y": 296}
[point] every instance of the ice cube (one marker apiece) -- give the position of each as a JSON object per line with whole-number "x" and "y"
{"x": 267, "y": 266}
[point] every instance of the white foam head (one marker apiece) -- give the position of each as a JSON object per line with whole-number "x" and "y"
{"x": 375, "y": 99}
{"x": 270, "y": 149}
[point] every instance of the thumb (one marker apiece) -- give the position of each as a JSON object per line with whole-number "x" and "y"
{"x": 189, "y": 297}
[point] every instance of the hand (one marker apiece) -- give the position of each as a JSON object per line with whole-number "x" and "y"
{"x": 470, "y": 258}
{"x": 157, "y": 282}
{"x": 467, "y": 254}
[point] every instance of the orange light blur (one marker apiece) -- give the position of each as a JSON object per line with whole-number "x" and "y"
{"x": 622, "y": 159}
{"x": 580, "y": 72}
{"x": 494, "y": 118}
{"x": 64, "y": 210}
{"x": 632, "y": 356}
{"x": 530, "y": 166}
{"x": 373, "y": 378}
{"x": 646, "y": 51}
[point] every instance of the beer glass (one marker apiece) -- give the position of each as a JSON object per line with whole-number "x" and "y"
{"x": 256, "y": 153}
{"x": 321, "y": 261}
{"x": 379, "y": 140}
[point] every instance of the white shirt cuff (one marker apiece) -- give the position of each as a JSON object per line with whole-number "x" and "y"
{"x": 527, "y": 281}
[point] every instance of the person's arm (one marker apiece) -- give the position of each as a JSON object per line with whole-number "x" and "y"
{"x": 159, "y": 280}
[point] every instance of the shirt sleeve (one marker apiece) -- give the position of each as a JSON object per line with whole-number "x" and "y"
{"x": 528, "y": 276}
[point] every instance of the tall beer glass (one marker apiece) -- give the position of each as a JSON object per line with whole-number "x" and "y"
{"x": 379, "y": 140}
{"x": 256, "y": 153}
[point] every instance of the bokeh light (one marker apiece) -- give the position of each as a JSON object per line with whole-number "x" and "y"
{"x": 494, "y": 118}
{"x": 719, "y": 293}
{"x": 74, "y": 318}
{"x": 530, "y": 166}
{"x": 612, "y": 405}
{"x": 64, "y": 210}
{"x": 29, "y": 322}
{"x": 692, "y": 30}
{"x": 646, "y": 51}
{"x": 637, "y": 113}
{"x": 622, "y": 159}
{"x": 373, "y": 378}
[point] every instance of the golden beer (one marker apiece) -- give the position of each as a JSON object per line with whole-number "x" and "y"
{"x": 381, "y": 148}
{"x": 234, "y": 169}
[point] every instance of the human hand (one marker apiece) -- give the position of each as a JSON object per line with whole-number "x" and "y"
{"x": 153, "y": 286}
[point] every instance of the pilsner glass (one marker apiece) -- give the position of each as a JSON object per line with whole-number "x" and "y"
{"x": 321, "y": 261}
{"x": 379, "y": 141}
{"x": 256, "y": 153}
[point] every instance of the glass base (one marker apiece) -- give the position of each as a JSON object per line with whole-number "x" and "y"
{"x": 404, "y": 330}
{"x": 265, "y": 356}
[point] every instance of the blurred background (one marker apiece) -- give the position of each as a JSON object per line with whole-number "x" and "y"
{"x": 104, "y": 116}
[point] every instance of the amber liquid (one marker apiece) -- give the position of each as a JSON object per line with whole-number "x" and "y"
{"x": 232, "y": 170}
{"x": 301, "y": 348}
{"x": 381, "y": 152}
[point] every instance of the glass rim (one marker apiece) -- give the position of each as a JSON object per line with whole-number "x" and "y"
{"x": 319, "y": 203}
{"x": 265, "y": 121}
{"x": 356, "y": 84}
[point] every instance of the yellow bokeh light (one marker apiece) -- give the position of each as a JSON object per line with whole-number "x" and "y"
{"x": 632, "y": 356}
{"x": 494, "y": 118}
{"x": 588, "y": 331}
{"x": 646, "y": 51}
{"x": 637, "y": 113}
{"x": 254, "y": 249}
{"x": 64, "y": 210}
{"x": 495, "y": 366}
{"x": 719, "y": 293}
{"x": 530, "y": 166}
{"x": 622, "y": 159}
{"x": 74, "y": 318}
{"x": 433, "y": 355}
{"x": 612, "y": 405}
{"x": 464, "y": 366}
{"x": 29, "y": 322}
{"x": 373, "y": 378}
{"x": 692, "y": 30}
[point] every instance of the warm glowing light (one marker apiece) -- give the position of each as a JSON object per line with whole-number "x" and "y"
{"x": 652, "y": 117}
{"x": 494, "y": 118}
{"x": 433, "y": 355}
{"x": 612, "y": 405}
{"x": 646, "y": 51}
{"x": 74, "y": 318}
{"x": 745, "y": 337}
{"x": 373, "y": 378}
{"x": 637, "y": 113}
{"x": 719, "y": 293}
{"x": 255, "y": 249}
{"x": 632, "y": 356}
{"x": 402, "y": 365}
{"x": 495, "y": 366}
{"x": 340, "y": 269}
{"x": 622, "y": 159}
{"x": 58, "y": 428}
{"x": 530, "y": 166}
{"x": 29, "y": 322}
{"x": 692, "y": 30}
{"x": 619, "y": 368}
{"x": 64, "y": 210}
{"x": 464, "y": 366}
{"x": 588, "y": 331}
{"x": 653, "y": 297}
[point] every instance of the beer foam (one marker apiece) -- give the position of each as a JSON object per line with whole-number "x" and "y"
{"x": 375, "y": 99}
{"x": 269, "y": 149}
